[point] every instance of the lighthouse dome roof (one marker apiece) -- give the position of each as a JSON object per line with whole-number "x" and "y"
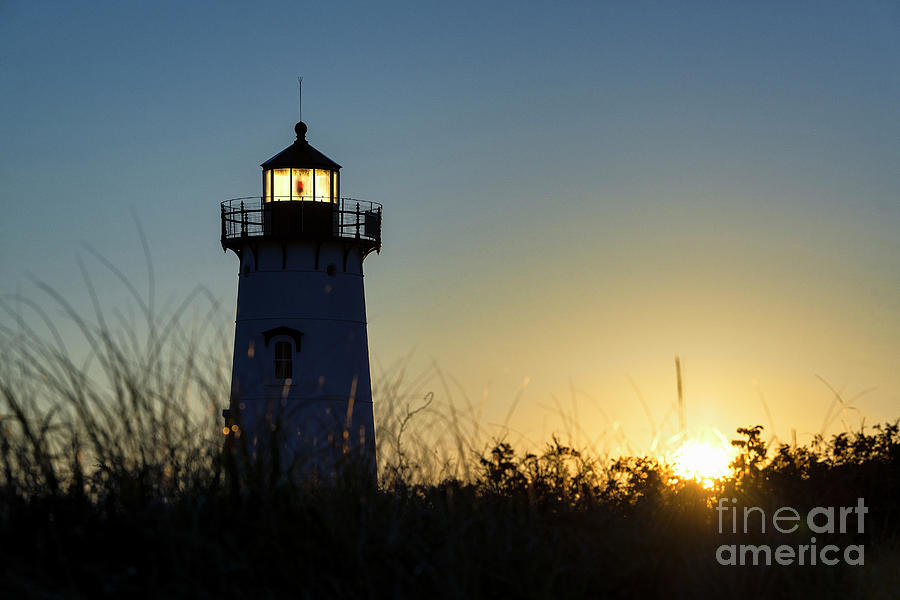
{"x": 300, "y": 154}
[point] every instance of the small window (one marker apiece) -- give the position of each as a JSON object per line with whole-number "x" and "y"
{"x": 284, "y": 360}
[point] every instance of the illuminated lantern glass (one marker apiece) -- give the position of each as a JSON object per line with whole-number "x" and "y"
{"x": 281, "y": 184}
{"x": 323, "y": 186}
{"x": 317, "y": 185}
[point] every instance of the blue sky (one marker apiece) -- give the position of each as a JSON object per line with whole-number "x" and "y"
{"x": 573, "y": 192}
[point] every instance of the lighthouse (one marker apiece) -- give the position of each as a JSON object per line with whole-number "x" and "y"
{"x": 301, "y": 390}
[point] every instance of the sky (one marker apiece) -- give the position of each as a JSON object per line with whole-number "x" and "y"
{"x": 574, "y": 193}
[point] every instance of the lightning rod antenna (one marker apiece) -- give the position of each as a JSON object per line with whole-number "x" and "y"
{"x": 300, "y": 98}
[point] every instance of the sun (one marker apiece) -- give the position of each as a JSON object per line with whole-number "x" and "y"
{"x": 702, "y": 461}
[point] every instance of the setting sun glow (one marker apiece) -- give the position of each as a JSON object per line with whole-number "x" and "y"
{"x": 702, "y": 461}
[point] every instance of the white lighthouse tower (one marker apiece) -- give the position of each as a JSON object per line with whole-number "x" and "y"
{"x": 300, "y": 383}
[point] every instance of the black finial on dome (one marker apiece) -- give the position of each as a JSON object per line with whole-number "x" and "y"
{"x": 300, "y": 130}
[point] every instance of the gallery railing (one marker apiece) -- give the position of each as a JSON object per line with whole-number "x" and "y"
{"x": 301, "y": 218}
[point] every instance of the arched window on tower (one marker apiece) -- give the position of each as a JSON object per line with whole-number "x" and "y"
{"x": 284, "y": 360}
{"x": 285, "y": 343}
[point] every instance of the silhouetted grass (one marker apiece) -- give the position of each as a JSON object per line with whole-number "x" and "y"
{"x": 113, "y": 484}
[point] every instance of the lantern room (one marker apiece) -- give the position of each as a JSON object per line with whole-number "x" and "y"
{"x": 300, "y": 173}
{"x": 301, "y": 200}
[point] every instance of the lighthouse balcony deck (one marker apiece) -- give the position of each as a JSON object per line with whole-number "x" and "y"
{"x": 303, "y": 218}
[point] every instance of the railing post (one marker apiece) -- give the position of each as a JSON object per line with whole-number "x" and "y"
{"x": 335, "y": 217}
{"x": 224, "y": 233}
{"x": 243, "y": 221}
{"x": 357, "y": 220}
